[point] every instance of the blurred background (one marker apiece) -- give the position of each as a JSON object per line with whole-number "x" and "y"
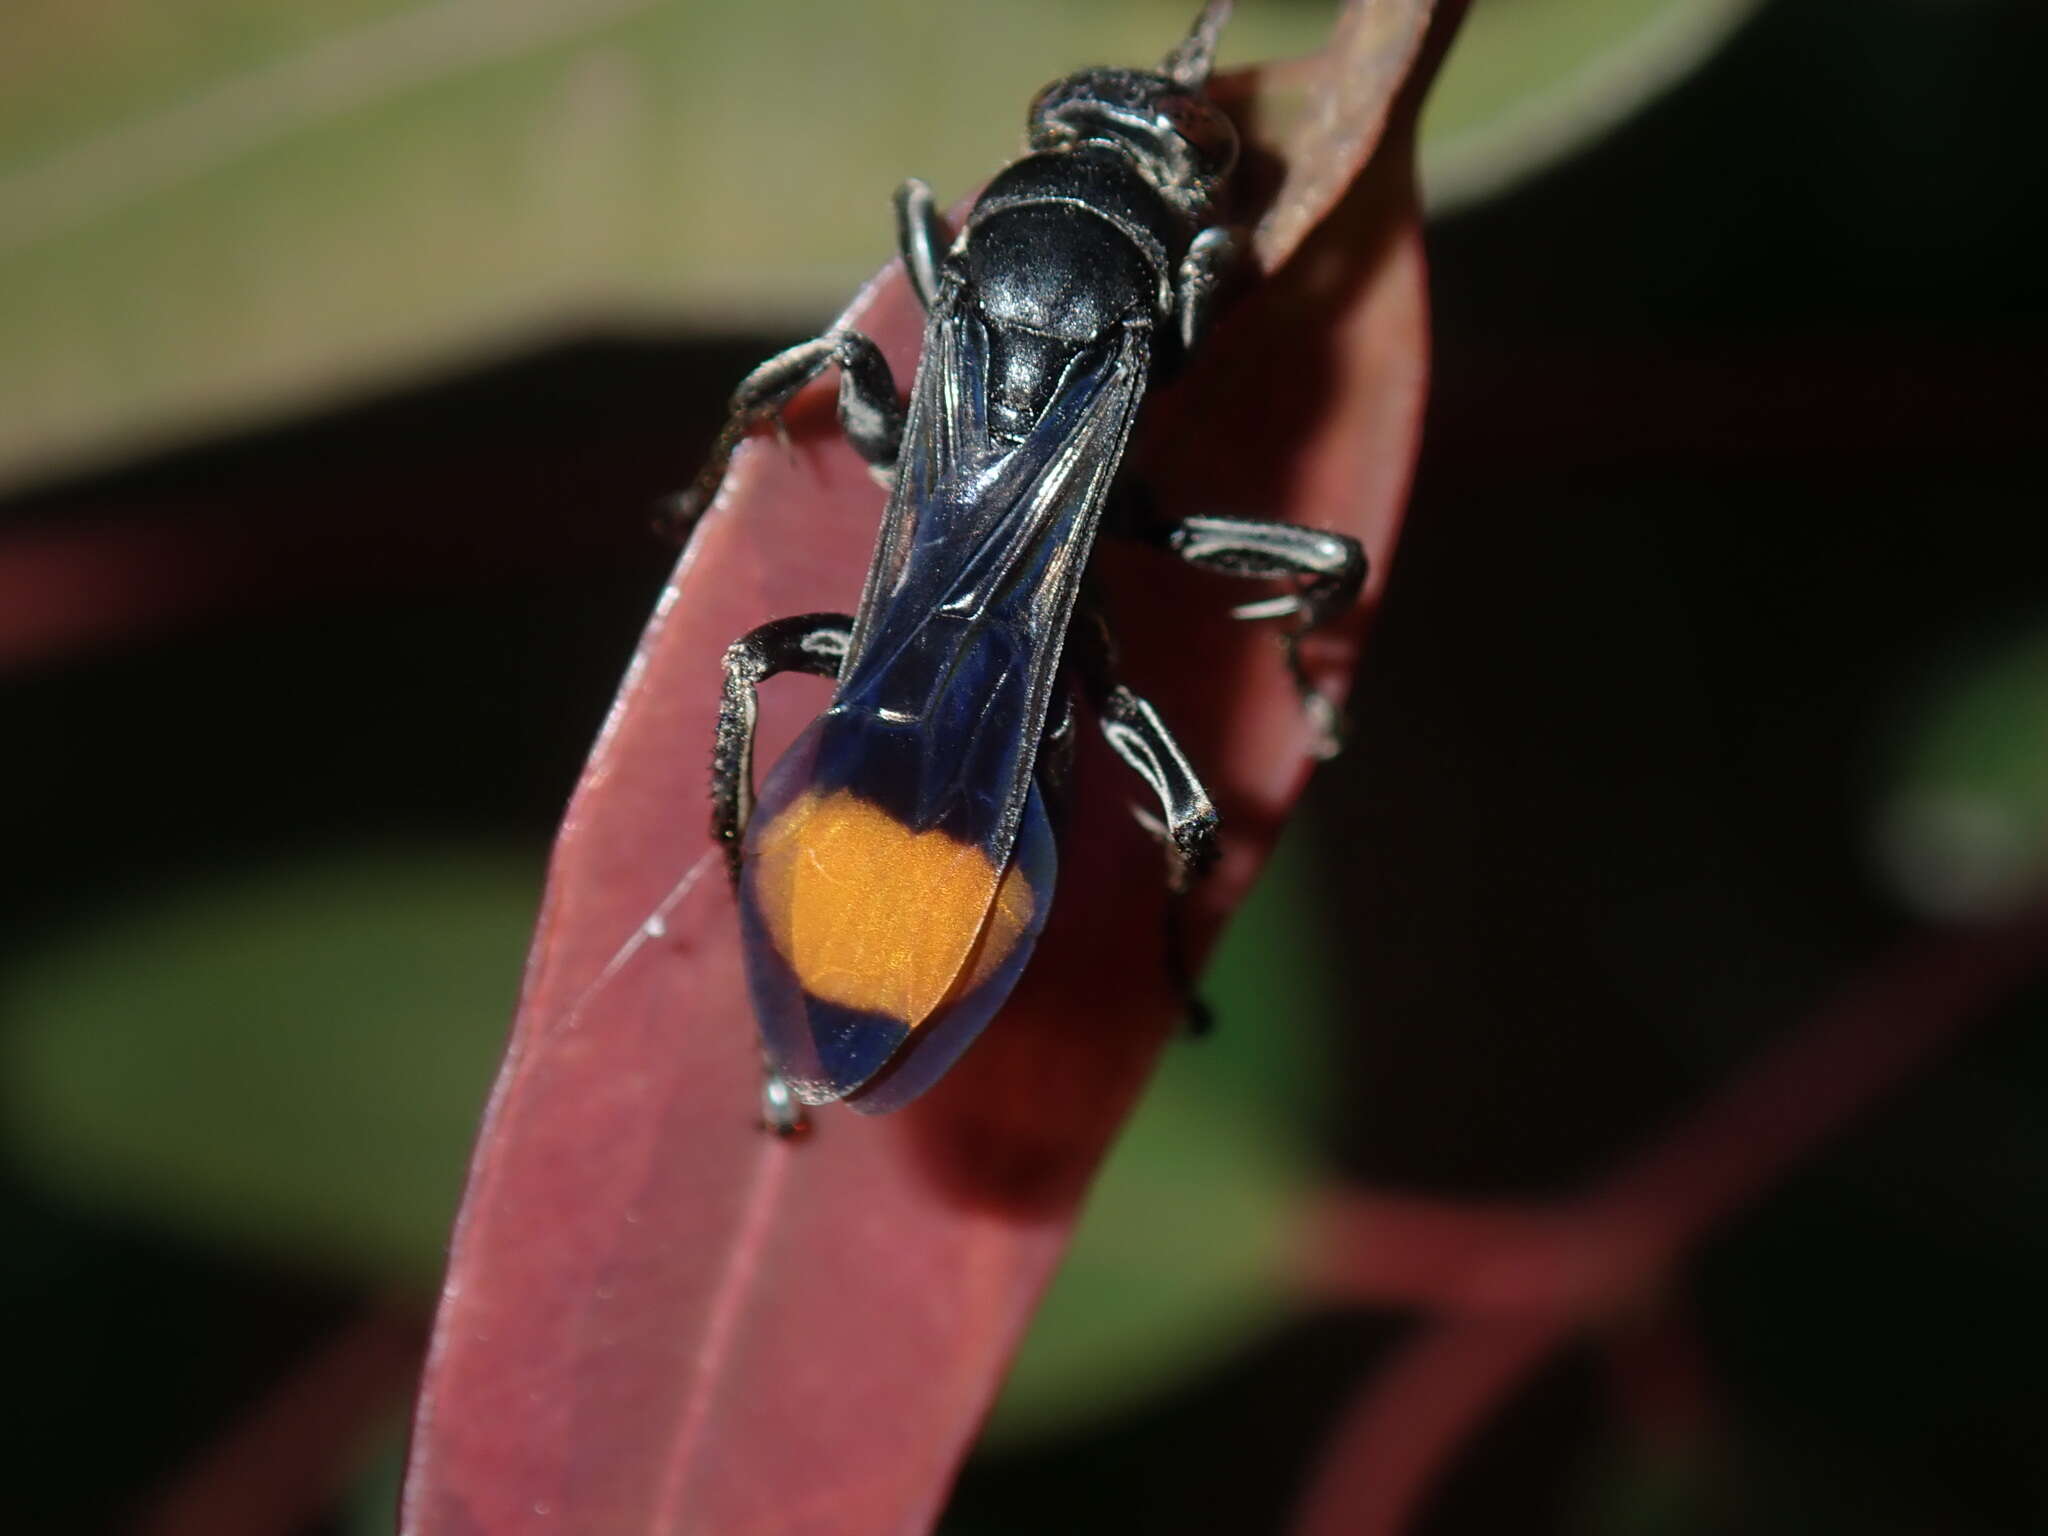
{"x": 344, "y": 347}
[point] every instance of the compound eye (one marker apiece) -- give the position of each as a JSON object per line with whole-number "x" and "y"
{"x": 1209, "y": 135}
{"x": 1183, "y": 142}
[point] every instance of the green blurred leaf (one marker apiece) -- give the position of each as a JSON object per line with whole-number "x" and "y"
{"x": 1176, "y": 1264}
{"x": 289, "y": 1062}
{"x": 1531, "y": 81}
{"x": 1178, "y": 1259}
{"x": 217, "y": 211}
{"x": 292, "y": 1063}
{"x": 372, "y": 1501}
{"x": 1643, "y": 1485}
{"x": 1963, "y": 822}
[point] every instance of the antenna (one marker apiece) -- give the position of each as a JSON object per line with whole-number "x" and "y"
{"x": 1192, "y": 58}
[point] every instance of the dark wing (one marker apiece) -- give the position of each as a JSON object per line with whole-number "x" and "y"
{"x": 957, "y": 642}
{"x": 898, "y": 867}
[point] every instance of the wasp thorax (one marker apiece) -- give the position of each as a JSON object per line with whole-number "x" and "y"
{"x": 1050, "y": 281}
{"x": 1179, "y": 139}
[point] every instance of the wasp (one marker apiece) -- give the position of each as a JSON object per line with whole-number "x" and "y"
{"x": 896, "y": 867}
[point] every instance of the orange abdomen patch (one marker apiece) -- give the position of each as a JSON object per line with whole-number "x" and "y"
{"x": 872, "y": 916}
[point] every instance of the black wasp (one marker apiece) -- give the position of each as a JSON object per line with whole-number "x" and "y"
{"x": 897, "y": 866}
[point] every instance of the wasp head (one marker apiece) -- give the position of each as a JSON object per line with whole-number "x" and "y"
{"x": 1179, "y": 139}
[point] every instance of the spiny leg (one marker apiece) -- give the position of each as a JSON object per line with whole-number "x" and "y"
{"x": 1188, "y": 833}
{"x": 1056, "y": 748}
{"x": 811, "y": 642}
{"x": 1327, "y": 569}
{"x": 921, "y": 237}
{"x": 814, "y": 643}
{"x": 1138, "y": 736}
{"x": 869, "y": 413}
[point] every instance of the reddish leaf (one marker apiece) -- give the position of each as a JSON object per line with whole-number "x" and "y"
{"x": 658, "y": 1319}
{"x": 1511, "y": 1285}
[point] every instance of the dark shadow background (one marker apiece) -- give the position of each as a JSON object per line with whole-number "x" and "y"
{"x": 1735, "y": 443}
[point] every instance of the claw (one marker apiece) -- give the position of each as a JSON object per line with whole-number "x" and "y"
{"x": 1325, "y": 722}
{"x": 781, "y": 1114}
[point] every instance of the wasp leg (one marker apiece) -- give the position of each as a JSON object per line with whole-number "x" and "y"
{"x": 1189, "y": 832}
{"x": 811, "y": 642}
{"x": 870, "y": 414}
{"x": 1138, "y": 736}
{"x": 1211, "y": 256}
{"x": 921, "y": 237}
{"x": 1056, "y": 748}
{"x": 1328, "y": 567}
{"x": 1327, "y": 570}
